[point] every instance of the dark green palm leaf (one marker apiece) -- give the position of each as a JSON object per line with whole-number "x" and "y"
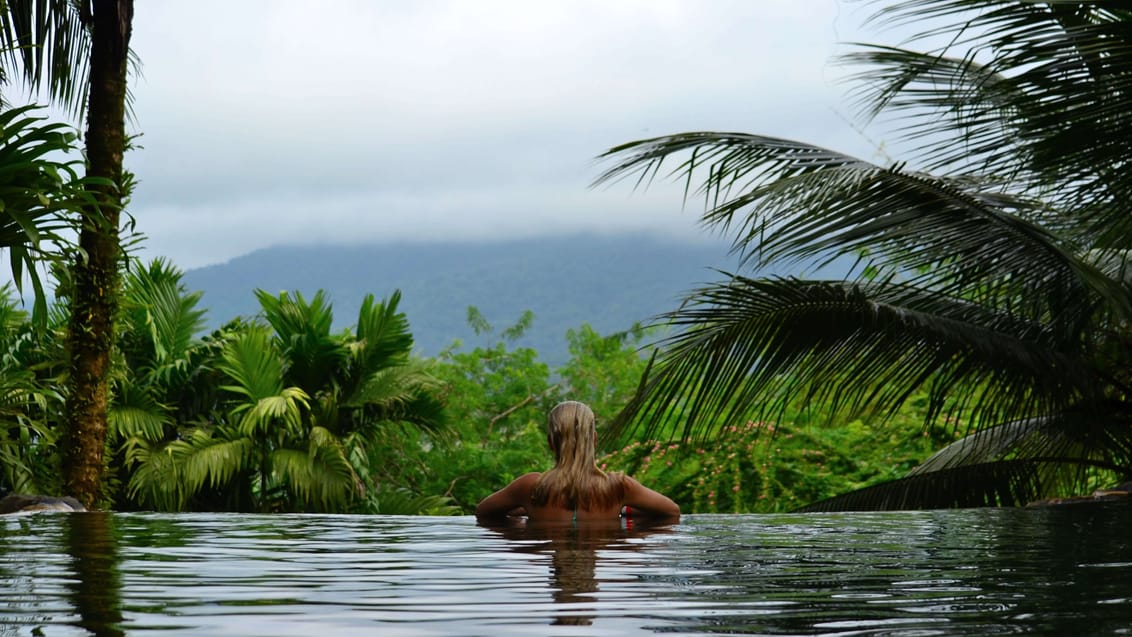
{"x": 786, "y": 200}
{"x": 137, "y": 415}
{"x": 1036, "y": 91}
{"x": 383, "y": 334}
{"x": 251, "y": 362}
{"x": 1010, "y": 465}
{"x": 203, "y": 459}
{"x": 37, "y": 194}
{"x": 400, "y": 501}
{"x": 1097, "y": 436}
{"x": 47, "y": 46}
{"x": 156, "y": 479}
{"x": 1003, "y": 483}
{"x": 749, "y": 348}
{"x": 319, "y": 478}
{"x": 406, "y": 393}
{"x": 314, "y": 356}
{"x": 159, "y": 311}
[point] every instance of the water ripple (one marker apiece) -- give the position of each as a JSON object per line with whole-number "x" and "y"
{"x": 982, "y": 572}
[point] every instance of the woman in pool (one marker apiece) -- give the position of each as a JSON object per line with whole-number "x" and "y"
{"x": 575, "y": 489}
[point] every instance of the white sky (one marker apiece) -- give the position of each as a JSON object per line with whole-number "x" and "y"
{"x": 268, "y": 122}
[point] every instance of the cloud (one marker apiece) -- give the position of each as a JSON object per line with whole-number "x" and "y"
{"x": 272, "y": 122}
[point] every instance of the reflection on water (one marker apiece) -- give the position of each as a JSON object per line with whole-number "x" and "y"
{"x": 1064, "y": 571}
{"x": 573, "y": 552}
{"x": 94, "y": 590}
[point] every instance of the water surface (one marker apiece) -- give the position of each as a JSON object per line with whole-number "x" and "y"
{"x": 1061, "y": 571}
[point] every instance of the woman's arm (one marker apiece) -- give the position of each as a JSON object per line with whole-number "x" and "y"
{"x": 511, "y": 497}
{"x": 643, "y": 500}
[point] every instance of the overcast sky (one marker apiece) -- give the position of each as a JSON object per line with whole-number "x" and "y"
{"x": 272, "y": 122}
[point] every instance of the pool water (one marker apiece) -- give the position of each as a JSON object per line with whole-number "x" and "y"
{"x": 1057, "y": 571}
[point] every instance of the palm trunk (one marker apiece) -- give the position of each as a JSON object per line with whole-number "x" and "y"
{"x": 94, "y": 300}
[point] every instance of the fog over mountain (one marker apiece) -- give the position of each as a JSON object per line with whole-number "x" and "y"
{"x": 609, "y": 282}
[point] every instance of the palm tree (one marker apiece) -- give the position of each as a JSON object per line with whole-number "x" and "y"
{"x": 94, "y": 297}
{"x": 991, "y": 266}
{"x": 304, "y": 413}
{"x": 78, "y": 52}
{"x": 163, "y": 383}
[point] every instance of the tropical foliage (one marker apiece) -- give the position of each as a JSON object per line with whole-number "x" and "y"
{"x": 273, "y": 413}
{"x": 47, "y": 50}
{"x": 30, "y": 406}
{"x": 766, "y": 467}
{"x": 992, "y": 272}
{"x": 183, "y": 406}
{"x": 39, "y": 194}
{"x": 165, "y": 382}
{"x": 286, "y": 413}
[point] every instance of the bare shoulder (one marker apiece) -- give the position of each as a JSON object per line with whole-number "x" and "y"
{"x": 514, "y": 495}
{"x": 647, "y": 501}
{"x": 528, "y": 478}
{"x": 520, "y": 488}
{"x": 631, "y": 483}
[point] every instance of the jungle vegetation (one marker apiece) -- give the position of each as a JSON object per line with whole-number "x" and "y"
{"x": 280, "y": 413}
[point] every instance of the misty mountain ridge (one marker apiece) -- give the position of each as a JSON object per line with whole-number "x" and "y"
{"x": 607, "y": 281}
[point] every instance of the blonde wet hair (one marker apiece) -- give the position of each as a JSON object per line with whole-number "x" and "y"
{"x": 575, "y": 482}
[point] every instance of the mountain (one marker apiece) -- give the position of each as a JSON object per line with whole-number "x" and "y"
{"x": 609, "y": 282}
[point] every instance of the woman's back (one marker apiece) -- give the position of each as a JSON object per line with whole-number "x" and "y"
{"x": 589, "y": 489}
{"x": 516, "y": 499}
{"x": 575, "y": 489}
{"x": 558, "y": 495}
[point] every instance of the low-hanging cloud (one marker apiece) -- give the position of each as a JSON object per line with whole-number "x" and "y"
{"x": 353, "y": 121}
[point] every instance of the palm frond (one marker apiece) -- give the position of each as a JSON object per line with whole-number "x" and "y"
{"x": 207, "y": 460}
{"x": 407, "y": 393}
{"x": 46, "y": 44}
{"x": 302, "y": 329}
{"x": 749, "y": 348}
{"x": 155, "y": 481}
{"x": 38, "y": 194}
{"x": 383, "y": 334}
{"x": 136, "y": 413}
{"x": 785, "y": 200}
{"x": 401, "y": 501}
{"x": 264, "y": 417}
{"x": 1100, "y": 436}
{"x": 1012, "y": 464}
{"x": 1040, "y": 91}
{"x": 1001, "y": 288}
{"x": 24, "y": 436}
{"x": 1003, "y": 483}
{"x": 330, "y": 449}
{"x": 317, "y": 478}
{"x": 157, "y": 305}
{"x": 252, "y": 362}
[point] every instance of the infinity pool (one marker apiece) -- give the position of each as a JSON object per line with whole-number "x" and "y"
{"x": 1062, "y": 571}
